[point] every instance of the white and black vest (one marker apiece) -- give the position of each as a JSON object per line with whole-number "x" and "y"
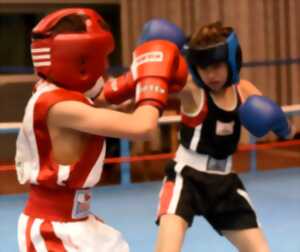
{"x": 211, "y": 130}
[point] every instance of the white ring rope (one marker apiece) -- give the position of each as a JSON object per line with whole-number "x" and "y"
{"x": 13, "y": 127}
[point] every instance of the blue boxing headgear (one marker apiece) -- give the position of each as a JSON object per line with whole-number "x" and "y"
{"x": 162, "y": 29}
{"x": 228, "y": 51}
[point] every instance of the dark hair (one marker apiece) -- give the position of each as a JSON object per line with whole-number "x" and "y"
{"x": 209, "y": 34}
{"x": 72, "y": 23}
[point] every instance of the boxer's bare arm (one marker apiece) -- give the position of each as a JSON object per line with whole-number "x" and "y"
{"x": 84, "y": 118}
{"x": 246, "y": 89}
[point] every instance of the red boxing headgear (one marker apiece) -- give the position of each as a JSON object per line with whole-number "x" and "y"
{"x": 73, "y": 60}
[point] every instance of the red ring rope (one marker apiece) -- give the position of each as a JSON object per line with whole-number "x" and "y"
{"x": 162, "y": 156}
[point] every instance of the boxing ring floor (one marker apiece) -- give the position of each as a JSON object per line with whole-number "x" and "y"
{"x": 131, "y": 209}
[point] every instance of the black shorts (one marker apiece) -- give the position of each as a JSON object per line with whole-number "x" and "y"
{"x": 221, "y": 199}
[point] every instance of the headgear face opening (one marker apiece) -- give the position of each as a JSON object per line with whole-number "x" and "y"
{"x": 228, "y": 51}
{"x": 74, "y": 60}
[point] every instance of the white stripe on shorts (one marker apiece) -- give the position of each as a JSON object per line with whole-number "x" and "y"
{"x": 245, "y": 195}
{"x": 36, "y": 238}
{"x": 177, "y": 189}
{"x": 22, "y": 224}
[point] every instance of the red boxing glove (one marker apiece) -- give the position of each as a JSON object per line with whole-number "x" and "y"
{"x": 180, "y": 77}
{"x": 152, "y": 91}
{"x": 119, "y": 89}
{"x": 154, "y": 64}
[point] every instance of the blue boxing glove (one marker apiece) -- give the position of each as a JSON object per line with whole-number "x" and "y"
{"x": 162, "y": 29}
{"x": 259, "y": 115}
